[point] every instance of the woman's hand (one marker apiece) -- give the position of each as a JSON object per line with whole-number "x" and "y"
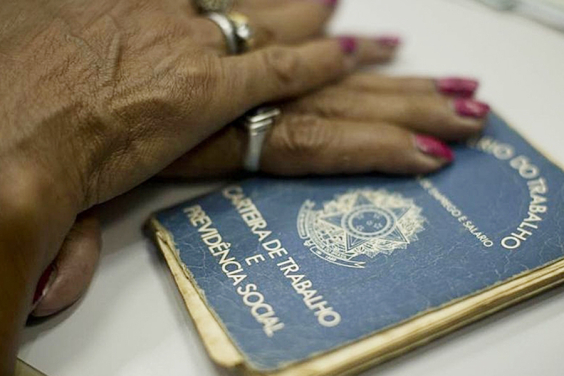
{"x": 366, "y": 123}
{"x": 97, "y": 96}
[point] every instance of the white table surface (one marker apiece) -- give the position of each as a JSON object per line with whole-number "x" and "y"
{"x": 132, "y": 321}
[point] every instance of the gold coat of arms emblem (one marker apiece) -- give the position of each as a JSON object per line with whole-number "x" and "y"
{"x": 358, "y": 225}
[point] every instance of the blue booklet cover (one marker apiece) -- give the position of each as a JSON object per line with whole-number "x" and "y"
{"x": 294, "y": 268}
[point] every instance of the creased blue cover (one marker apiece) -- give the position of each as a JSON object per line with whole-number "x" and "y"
{"x": 297, "y": 267}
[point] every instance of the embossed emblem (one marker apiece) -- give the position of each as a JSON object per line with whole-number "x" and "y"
{"x": 359, "y": 224}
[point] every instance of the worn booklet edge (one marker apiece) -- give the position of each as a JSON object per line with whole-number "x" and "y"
{"x": 366, "y": 352}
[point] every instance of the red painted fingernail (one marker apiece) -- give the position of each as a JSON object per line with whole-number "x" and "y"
{"x": 329, "y": 3}
{"x": 459, "y": 87}
{"x": 349, "y": 45}
{"x": 471, "y": 108}
{"x": 436, "y": 148}
{"x": 389, "y": 40}
{"x": 42, "y": 284}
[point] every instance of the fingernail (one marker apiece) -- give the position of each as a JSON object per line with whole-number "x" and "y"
{"x": 460, "y": 87}
{"x": 389, "y": 40}
{"x": 349, "y": 45}
{"x": 329, "y": 3}
{"x": 43, "y": 284}
{"x": 471, "y": 108}
{"x": 433, "y": 147}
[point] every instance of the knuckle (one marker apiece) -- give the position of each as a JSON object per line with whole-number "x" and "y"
{"x": 189, "y": 83}
{"x": 304, "y": 137}
{"x": 333, "y": 104}
{"x": 202, "y": 72}
{"x": 284, "y": 64}
{"x": 202, "y": 78}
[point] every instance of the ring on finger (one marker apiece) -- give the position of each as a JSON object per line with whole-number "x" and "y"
{"x": 227, "y": 29}
{"x": 243, "y": 31}
{"x": 257, "y": 123}
{"x": 235, "y": 27}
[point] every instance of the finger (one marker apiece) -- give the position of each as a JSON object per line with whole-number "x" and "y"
{"x": 288, "y": 21}
{"x": 379, "y": 50}
{"x": 442, "y": 117}
{"x": 72, "y": 270}
{"x": 306, "y": 144}
{"x": 368, "y": 51}
{"x": 277, "y": 72}
{"x": 450, "y": 86}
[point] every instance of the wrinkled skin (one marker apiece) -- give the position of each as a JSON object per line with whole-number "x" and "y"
{"x": 97, "y": 96}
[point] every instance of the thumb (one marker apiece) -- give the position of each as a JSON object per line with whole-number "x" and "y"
{"x": 69, "y": 275}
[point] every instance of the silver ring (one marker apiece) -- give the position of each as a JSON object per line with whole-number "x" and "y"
{"x": 228, "y": 29}
{"x": 221, "y": 6}
{"x": 257, "y": 123}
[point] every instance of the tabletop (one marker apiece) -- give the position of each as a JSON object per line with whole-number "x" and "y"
{"x": 132, "y": 320}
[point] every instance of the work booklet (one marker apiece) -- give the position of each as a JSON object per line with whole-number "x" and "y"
{"x": 329, "y": 275}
